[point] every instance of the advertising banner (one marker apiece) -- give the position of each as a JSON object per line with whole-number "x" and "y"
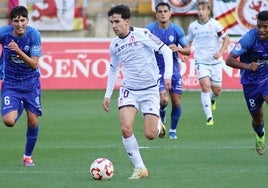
{"x": 74, "y": 64}
{"x": 182, "y": 7}
{"x": 238, "y": 16}
{"x": 54, "y": 14}
{"x": 84, "y": 64}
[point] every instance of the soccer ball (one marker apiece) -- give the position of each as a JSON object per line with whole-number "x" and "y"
{"x": 101, "y": 169}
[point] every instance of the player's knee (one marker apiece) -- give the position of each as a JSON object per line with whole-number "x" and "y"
{"x": 150, "y": 135}
{"x": 163, "y": 104}
{"x": 216, "y": 91}
{"x": 9, "y": 122}
{"x": 176, "y": 103}
{"x": 163, "y": 101}
{"x": 126, "y": 132}
{"x": 9, "y": 119}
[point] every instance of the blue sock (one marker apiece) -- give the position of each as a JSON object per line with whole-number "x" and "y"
{"x": 259, "y": 130}
{"x": 31, "y": 137}
{"x": 175, "y": 116}
{"x": 20, "y": 110}
{"x": 163, "y": 114}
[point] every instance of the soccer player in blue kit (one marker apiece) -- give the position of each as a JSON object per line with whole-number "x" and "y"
{"x": 173, "y": 36}
{"x": 252, "y": 49}
{"x": 21, "y": 46}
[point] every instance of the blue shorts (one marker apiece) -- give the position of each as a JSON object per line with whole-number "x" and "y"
{"x": 176, "y": 84}
{"x": 254, "y": 94}
{"x": 11, "y": 100}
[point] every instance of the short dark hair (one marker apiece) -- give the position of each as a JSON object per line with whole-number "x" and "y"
{"x": 162, "y": 4}
{"x": 263, "y": 15}
{"x": 123, "y": 10}
{"x": 18, "y": 11}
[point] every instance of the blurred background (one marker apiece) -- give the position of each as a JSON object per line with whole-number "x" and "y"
{"x": 76, "y": 36}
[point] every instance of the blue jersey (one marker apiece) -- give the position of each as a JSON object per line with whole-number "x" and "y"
{"x": 251, "y": 49}
{"x": 17, "y": 74}
{"x": 174, "y": 34}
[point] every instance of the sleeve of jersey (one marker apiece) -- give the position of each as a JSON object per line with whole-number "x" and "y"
{"x": 219, "y": 29}
{"x": 189, "y": 37}
{"x": 182, "y": 40}
{"x": 168, "y": 58}
{"x": 156, "y": 44}
{"x": 244, "y": 43}
{"x": 112, "y": 77}
{"x": 36, "y": 49}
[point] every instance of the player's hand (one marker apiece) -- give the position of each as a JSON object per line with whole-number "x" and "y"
{"x": 173, "y": 47}
{"x": 106, "y": 104}
{"x": 217, "y": 55}
{"x": 253, "y": 66}
{"x": 13, "y": 46}
{"x": 168, "y": 84}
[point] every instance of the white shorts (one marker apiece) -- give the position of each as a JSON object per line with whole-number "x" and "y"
{"x": 148, "y": 101}
{"x": 214, "y": 72}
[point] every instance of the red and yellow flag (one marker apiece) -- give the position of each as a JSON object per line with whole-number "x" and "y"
{"x": 238, "y": 16}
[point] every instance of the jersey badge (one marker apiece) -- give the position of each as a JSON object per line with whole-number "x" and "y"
{"x": 238, "y": 47}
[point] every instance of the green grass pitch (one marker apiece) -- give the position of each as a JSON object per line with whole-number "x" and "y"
{"x": 74, "y": 130}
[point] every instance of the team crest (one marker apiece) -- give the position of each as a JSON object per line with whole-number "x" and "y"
{"x": 247, "y": 11}
{"x": 132, "y": 39}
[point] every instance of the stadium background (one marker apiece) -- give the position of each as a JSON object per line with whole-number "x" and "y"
{"x": 76, "y": 36}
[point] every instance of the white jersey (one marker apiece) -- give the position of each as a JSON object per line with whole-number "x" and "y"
{"x": 136, "y": 52}
{"x": 207, "y": 40}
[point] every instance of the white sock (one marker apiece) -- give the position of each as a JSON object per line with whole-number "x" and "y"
{"x": 132, "y": 148}
{"x": 206, "y": 103}
{"x": 159, "y": 127}
{"x": 212, "y": 96}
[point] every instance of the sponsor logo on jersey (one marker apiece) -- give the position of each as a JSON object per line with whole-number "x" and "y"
{"x": 35, "y": 48}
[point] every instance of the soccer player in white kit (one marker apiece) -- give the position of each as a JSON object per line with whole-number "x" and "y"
{"x": 134, "y": 48}
{"x": 210, "y": 41}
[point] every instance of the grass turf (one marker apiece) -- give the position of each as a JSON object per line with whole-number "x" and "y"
{"x": 74, "y": 130}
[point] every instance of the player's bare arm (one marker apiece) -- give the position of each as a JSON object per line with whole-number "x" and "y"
{"x": 225, "y": 42}
{"x": 233, "y": 62}
{"x": 106, "y": 104}
{"x": 184, "y": 51}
